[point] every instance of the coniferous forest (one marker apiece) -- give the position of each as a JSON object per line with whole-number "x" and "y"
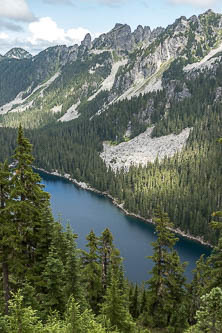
{"x": 49, "y": 285}
{"x": 187, "y": 186}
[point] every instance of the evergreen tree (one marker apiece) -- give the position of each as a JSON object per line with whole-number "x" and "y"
{"x": 92, "y": 272}
{"x": 166, "y": 304}
{"x": 115, "y": 307}
{"x": 30, "y": 214}
{"x": 72, "y": 268}
{"x": 53, "y": 279}
{"x": 209, "y": 316}
{"x": 106, "y": 249}
{"x": 21, "y": 319}
{"x": 134, "y": 303}
{"x": 6, "y": 231}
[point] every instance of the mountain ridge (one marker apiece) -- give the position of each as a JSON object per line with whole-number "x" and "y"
{"x": 98, "y": 113}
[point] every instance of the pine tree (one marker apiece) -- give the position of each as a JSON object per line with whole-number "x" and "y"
{"x": 6, "y": 230}
{"x": 116, "y": 308}
{"x": 30, "y": 213}
{"x": 106, "y": 249}
{"x": 21, "y": 319}
{"x": 26, "y": 222}
{"x": 209, "y": 316}
{"x": 72, "y": 270}
{"x": 54, "y": 278}
{"x": 92, "y": 272}
{"x": 166, "y": 291}
{"x": 134, "y": 304}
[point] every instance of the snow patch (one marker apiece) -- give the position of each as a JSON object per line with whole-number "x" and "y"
{"x": 72, "y": 113}
{"x": 143, "y": 149}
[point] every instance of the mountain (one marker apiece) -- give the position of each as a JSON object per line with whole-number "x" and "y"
{"x": 18, "y": 53}
{"x": 146, "y": 101}
{"x": 120, "y": 63}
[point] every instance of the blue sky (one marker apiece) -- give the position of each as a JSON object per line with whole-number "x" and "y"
{"x": 37, "y": 24}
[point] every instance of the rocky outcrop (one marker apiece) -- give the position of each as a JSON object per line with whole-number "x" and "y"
{"x": 18, "y": 53}
{"x": 143, "y": 149}
{"x": 87, "y": 41}
{"x": 119, "y": 38}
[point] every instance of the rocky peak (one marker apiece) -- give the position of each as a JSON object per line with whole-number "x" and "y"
{"x": 181, "y": 24}
{"x": 209, "y": 12}
{"x": 138, "y": 34}
{"x": 87, "y": 41}
{"x": 18, "y": 53}
{"x": 146, "y": 34}
{"x": 119, "y": 38}
{"x": 156, "y": 32}
{"x": 142, "y": 34}
{"x": 73, "y": 52}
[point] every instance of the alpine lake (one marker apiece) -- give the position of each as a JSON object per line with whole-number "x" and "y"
{"x": 85, "y": 210}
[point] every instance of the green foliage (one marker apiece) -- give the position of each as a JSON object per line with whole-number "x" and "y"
{"x": 167, "y": 299}
{"x": 115, "y": 307}
{"x": 92, "y": 272}
{"x": 209, "y": 316}
{"x": 20, "y": 318}
{"x": 50, "y": 275}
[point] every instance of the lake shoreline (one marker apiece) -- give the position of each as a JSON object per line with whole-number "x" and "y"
{"x": 87, "y": 187}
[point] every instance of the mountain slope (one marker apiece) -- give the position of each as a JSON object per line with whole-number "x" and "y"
{"x": 18, "y": 53}
{"x": 147, "y": 101}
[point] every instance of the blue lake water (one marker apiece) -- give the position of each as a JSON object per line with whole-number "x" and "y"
{"x": 85, "y": 210}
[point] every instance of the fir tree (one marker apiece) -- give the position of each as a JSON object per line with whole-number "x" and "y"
{"x": 209, "y": 316}
{"x": 6, "y": 231}
{"x": 106, "y": 249}
{"x": 115, "y": 307}
{"x": 166, "y": 307}
{"x": 30, "y": 213}
{"x": 92, "y": 272}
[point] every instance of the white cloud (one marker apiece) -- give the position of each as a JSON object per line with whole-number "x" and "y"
{"x": 198, "y": 3}
{"x": 45, "y": 30}
{"x": 3, "y": 35}
{"x": 16, "y": 10}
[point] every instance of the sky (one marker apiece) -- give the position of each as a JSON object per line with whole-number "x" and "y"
{"x": 37, "y": 24}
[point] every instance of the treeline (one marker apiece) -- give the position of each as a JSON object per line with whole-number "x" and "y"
{"x": 48, "y": 285}
{"x": 187, "y": 186}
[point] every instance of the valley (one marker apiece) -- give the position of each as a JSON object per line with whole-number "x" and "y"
{"x": 134, "y": 113}
{"x": 132, "y": 117}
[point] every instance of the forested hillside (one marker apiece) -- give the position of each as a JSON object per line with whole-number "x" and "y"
{"x": 48, "y": 285}
{"x": 74, "y": 100}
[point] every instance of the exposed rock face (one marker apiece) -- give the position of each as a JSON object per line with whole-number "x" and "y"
{"x": 136, "y": 67}
{"x": 18, "y": 53}
{"x": 156, "y": 32}
{"x": 143, "y": 149}
{"x": 73, "y": 53}
{"x": 119, "y": 38}
{"x": 87, "y": 41}
{"x": 138, "y": 34}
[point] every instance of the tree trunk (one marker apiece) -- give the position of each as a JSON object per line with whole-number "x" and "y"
{"x": 5, "y": 284}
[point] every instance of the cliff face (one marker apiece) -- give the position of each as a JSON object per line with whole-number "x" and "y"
{"x": 118, "y": 65}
